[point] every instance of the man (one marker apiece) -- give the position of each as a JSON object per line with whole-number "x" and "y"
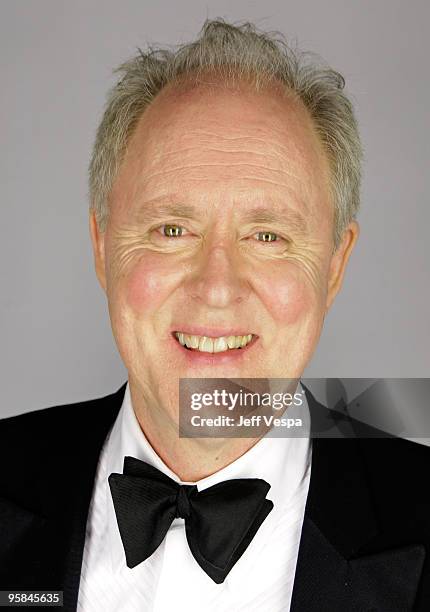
{"x": 224, "y": 188}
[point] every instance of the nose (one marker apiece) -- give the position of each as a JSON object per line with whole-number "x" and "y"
{"x": 219, "y": 280}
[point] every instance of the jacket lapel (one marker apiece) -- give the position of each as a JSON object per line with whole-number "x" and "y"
{"x": 334, "y": 572}
{"x": 92, "y": 446}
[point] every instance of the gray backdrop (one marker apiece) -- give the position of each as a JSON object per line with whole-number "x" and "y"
{"x": 57, "y": 58}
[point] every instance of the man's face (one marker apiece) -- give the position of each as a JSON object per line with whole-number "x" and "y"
{"x": 221, "y": 225}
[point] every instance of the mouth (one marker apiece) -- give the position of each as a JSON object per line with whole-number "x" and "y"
{"x": 219, "y": 344}
{"x": 214, "y": 349}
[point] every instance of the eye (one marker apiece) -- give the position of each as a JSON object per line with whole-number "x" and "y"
{"x": 267, "y": 237}
{"x": 172, "y": 231}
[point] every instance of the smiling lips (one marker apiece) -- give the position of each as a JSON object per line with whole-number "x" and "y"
{"x": 204, "y": 344}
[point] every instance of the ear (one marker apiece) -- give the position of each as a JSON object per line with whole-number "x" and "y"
{"x": 339, "y": 261}
{"x": 98, "y": 242}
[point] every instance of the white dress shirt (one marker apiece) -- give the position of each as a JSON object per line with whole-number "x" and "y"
{"x": 171, "y": 579}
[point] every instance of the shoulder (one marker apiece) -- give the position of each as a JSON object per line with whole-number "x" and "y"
{"x": 45, "y": 454}
{"x": 397, "y": 472}
{"x": 63, "y": 420}
{"x": 44, "y": 445}
{"x": 394, "y": 451}
{"x": 397, "y": 464}
{"x": 392, "y": 470}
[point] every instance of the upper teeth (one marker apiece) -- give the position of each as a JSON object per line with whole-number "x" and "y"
{"x": 213, "y": 345}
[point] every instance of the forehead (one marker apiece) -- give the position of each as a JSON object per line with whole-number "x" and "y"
{"x": 232, "y": 117}
{"x": 198, "y": 136}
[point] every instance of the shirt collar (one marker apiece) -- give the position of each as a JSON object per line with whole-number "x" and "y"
{"x": 282, "y": 461}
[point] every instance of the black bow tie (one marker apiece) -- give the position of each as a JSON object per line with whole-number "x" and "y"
{"x": 220, "y": 521}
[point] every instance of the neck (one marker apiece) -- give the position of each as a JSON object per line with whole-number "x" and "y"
{"x": 191, "y": 459}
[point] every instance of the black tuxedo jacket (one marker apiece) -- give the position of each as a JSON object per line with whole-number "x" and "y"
{"x": 365, "y": 543}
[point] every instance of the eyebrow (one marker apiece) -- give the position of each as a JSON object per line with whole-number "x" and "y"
{"x": 154, "y": 210}
{"x": 157, "y": 208}
{"x": 287, "y": 217}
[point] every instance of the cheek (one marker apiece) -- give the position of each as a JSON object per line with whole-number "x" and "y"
{"x": 147, "y": 285}
{"x": 289, "y": 297}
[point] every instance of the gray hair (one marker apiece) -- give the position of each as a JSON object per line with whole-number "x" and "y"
{"x": 245, "y": 53}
